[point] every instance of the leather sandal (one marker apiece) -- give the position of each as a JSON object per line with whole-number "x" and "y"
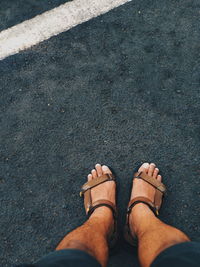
{"x": 91, "y": 206}
{"x": 131, "y": 238}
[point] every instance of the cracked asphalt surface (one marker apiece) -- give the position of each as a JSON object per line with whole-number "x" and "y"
{"x": 121, "y": 88}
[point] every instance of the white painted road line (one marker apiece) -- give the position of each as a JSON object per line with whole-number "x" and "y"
{"x": 51, "y": 23}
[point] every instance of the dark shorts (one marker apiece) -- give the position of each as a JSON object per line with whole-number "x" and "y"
{"x": 184, "y": 255}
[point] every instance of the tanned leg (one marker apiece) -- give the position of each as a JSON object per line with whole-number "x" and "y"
{"x": 154, "y": 236}
{"x": 92, "y": 236}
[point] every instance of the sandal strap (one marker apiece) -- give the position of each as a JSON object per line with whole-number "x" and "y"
{"x": 95, "y": 182}
{"x": 143, "y": 200}
{"x": 103, "y": 203}
{"x": 152, "y": 181}
{"x": 86, "y": 192}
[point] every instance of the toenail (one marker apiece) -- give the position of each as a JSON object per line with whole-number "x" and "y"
{"x": 104, "y": 167}
{"x": 97, "y": 165}
{"x": 145, "y": 165}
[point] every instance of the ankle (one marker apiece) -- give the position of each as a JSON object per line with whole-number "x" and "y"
{"x": 104, "y": 217}
{"x": 140, "y": 218}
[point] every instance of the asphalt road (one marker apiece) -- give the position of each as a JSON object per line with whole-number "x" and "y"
{"x": 15, "y": 12}
{"x": 121, "y": 88}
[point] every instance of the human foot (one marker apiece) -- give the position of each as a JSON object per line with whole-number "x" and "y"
{"x": 105, "y": 190}
{"x": 145, "y": 190}
{"x": 105, "y": 193}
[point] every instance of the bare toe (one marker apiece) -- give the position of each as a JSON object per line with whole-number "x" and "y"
{"x": 94, "y": 173}
{"x": 105, "y": 169}
{"x": 159, "y": 178}
{"x": 144, "y": 167}
{"x": 151, "y": 169}
{"x": 89, "y": 177}
{"x": 155, "y": 173}
{"x": 99, "y": 170}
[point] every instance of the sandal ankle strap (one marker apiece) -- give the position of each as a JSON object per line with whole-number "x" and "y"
{"x": 145, "y": 201}
{"x": 103, "y": 203}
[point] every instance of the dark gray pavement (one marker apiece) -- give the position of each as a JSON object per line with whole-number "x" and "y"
{"x": 121, "y": 88}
